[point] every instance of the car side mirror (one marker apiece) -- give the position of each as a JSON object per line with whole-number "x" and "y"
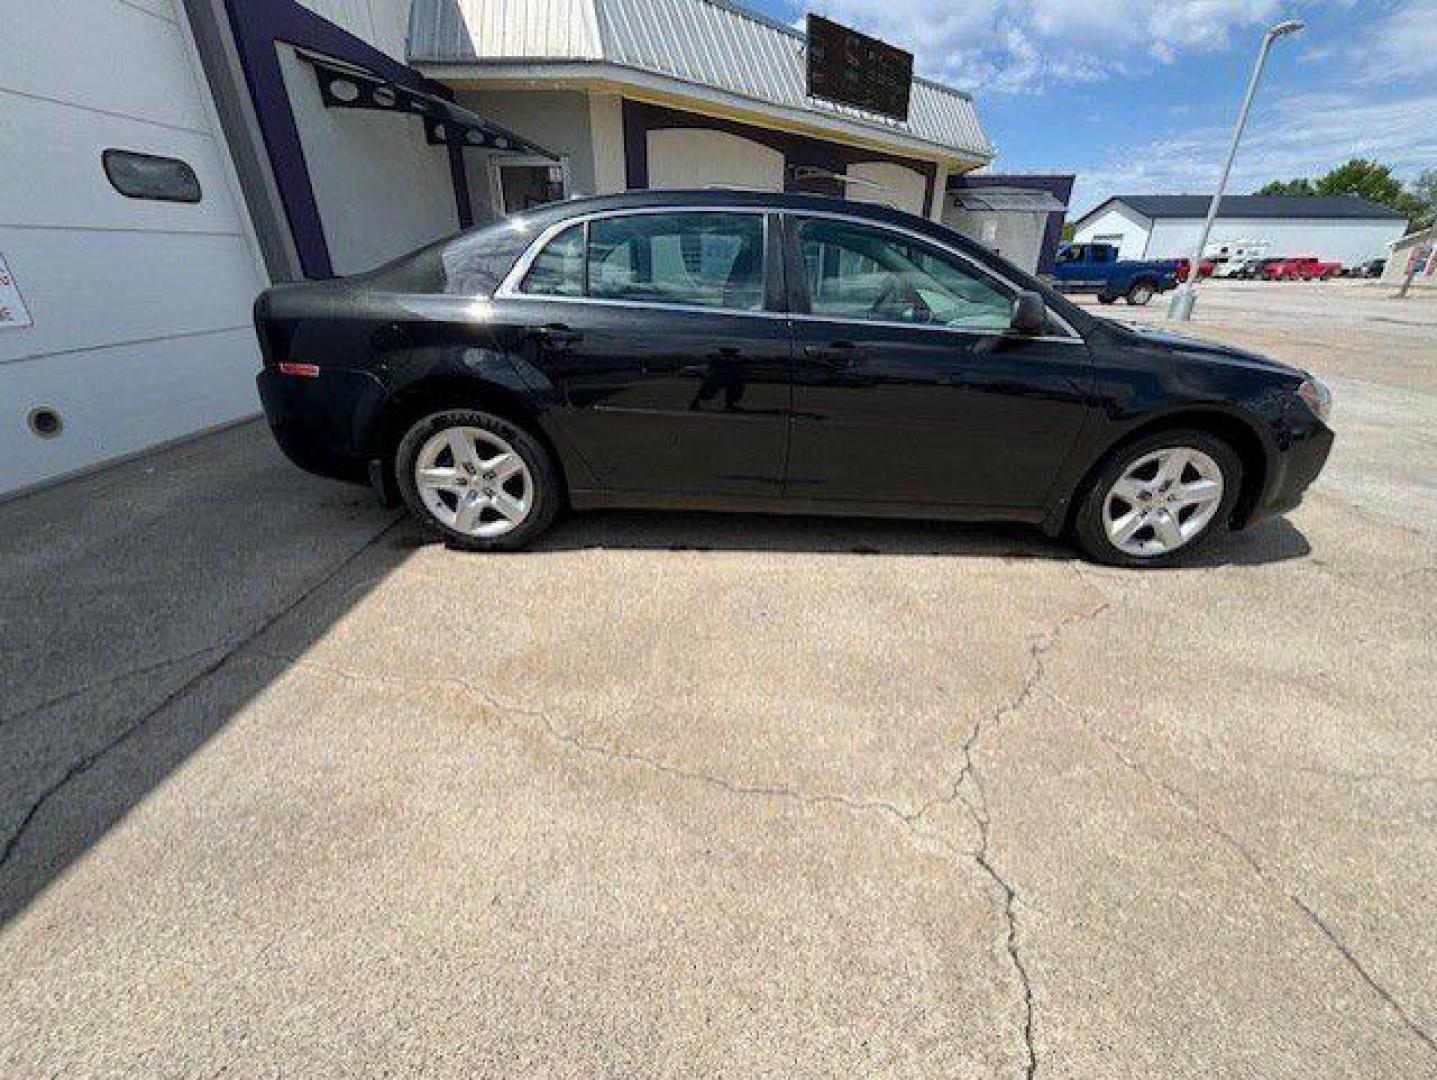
{"x": 1030, "y": 314}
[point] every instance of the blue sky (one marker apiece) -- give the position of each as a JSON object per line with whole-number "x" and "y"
{"x": 1139, "y": 96}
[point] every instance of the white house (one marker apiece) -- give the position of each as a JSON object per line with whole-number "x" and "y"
{"x": 165, "y": 160}
{"x": 1341, "y": 228}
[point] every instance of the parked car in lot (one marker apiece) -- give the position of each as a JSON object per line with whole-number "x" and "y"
{"x": 779, "y": 353}
{"x": 1301, "y": 268}
{"x": 1372, "y": 268}
{"x": 1206, "y": 268}
{"x": 1253, "y": 269}
{"x": 1096, "y": 268}
{"x": 1229, "y": 256}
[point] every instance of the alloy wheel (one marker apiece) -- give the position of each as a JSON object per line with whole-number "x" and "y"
{"x": 474, "y": 482}
{"x": 1162, "y": 501}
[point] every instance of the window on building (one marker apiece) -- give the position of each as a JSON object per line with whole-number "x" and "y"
{"x": 856, "y": 272}
{"x": 559, "y": 268}
{"x": 702, "y": 259}
{"x": 146, "y": 176}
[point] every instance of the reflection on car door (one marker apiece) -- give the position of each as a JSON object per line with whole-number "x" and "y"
{"x": 907, "y": 385}
{"x": 661, "y": 332}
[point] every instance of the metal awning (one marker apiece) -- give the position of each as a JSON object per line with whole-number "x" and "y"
{"x": 344, "y": 86}
{"x": 1011, "y": 199}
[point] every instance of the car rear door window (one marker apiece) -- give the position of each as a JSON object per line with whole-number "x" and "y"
{"x": 558, "y": 270}
{"x": 712, "y": 260}
{"x": 857, "y": 272}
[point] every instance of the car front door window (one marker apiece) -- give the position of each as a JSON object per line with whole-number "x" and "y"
{"x": 859, "y": 273}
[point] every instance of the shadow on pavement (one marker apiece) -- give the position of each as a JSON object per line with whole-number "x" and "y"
{"x": 1269, "y": 542}
{"x": 130, "y": 599}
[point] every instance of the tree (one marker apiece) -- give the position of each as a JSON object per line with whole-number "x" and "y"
{"x": 1424, "y": 190}
{"x": 1365, "y": 179}
{"x": 1301, "y": 186}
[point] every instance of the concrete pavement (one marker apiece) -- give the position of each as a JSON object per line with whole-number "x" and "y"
{"x": 286, "y": 789}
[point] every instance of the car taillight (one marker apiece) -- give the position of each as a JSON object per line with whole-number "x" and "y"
{"x": 304, "y": 371}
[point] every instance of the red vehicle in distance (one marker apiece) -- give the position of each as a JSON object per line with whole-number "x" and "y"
{"x": 1301, "y": 268}
{"x": 1205, "y": 268}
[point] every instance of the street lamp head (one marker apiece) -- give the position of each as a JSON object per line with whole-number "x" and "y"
{"x": 1291, "y": 26}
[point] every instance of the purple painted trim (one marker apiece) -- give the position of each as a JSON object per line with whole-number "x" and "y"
{"x": 258, "y": 25}
{"x": 1059, "y": 185}
{"x": 798, "y": 150}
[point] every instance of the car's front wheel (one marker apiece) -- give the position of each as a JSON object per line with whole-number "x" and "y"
{"x": 478, "y": 480}
{"x": 1159, "y": 499}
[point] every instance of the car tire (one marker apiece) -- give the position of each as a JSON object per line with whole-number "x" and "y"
{"x": 440, "y": 468}
{"x": 1140, "y": 293}
{"x": 1174, "y": 521}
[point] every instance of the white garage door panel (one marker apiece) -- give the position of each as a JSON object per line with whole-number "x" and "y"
{"x": 100, "y": 54}
{"x": 120, "y": 400}
{"x": 66, "y": 185}
{"x": 696, "y": 158}
{"x": 85, "y": 289}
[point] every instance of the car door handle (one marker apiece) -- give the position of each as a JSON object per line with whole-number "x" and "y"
{"x": 556, "y": 335}
{"x": 838, "y": 354}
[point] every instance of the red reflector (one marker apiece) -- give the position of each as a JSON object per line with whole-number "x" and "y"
{"x": 304, "y": 371}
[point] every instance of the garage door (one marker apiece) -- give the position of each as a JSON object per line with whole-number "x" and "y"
{"x": 697, "y": 158}
{"x": 124, "y": 239}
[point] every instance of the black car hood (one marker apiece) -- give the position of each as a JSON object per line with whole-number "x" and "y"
{"x": 1202, "y": 350}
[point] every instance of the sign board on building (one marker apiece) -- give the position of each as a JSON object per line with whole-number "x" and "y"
{"x": 13, "y": 311}
{"x": 854, "y": 69}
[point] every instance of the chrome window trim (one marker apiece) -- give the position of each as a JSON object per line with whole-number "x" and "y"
{"x": 509, "y": 288}
{"x": 883, "y": 226}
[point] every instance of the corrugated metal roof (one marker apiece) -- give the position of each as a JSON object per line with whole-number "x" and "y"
{"x": 1256, "y": 206}
{"x": 470, "y": 31}
{"x": 704, "y": 42}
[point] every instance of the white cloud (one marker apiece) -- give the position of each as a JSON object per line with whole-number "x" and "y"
{"x": 1298, "y": 135}
{"x": 1402, "y": 45}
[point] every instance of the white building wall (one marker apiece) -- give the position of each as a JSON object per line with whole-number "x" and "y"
{"x": 1117, "y": 225}
{"x": 696, "y": 158}
{"x": 888, "y": 184}
{"x": 1345, "y": 241}
{"x": 141, "y": 309}
{"x": 381, "y": 188}
{"x": 383, "y": 24}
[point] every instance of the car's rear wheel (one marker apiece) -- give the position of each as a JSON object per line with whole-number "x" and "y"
{"x": 478, "y": 480}
{"x": 1141, "y": 293}
{"x": 1159, "y": 499}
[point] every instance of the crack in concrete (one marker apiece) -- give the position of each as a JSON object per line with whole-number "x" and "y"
{"x": 107, "y": 683}
{"x": 982, "y": 818}
{"x": 912, "y": 821}
{"x": 1190, "y": 806}
{"x": 88, "y": 761}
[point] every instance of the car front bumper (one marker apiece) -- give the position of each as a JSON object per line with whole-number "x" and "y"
{"x": 1294, "y": 470}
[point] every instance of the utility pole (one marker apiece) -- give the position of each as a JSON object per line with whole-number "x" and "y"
{"x": 1181, "y": 308}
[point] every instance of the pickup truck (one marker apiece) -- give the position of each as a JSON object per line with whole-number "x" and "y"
{"x": 1096, "y": 268}
{"x": 1301, "y": 268}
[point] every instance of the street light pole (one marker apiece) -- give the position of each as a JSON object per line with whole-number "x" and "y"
{"x": 1181, "y": 308}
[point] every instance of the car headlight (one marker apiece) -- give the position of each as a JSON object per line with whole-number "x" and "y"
{"x": 1316, "y": 396}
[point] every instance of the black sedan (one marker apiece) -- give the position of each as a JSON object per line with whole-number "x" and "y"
{"x": 786, "y": 353}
